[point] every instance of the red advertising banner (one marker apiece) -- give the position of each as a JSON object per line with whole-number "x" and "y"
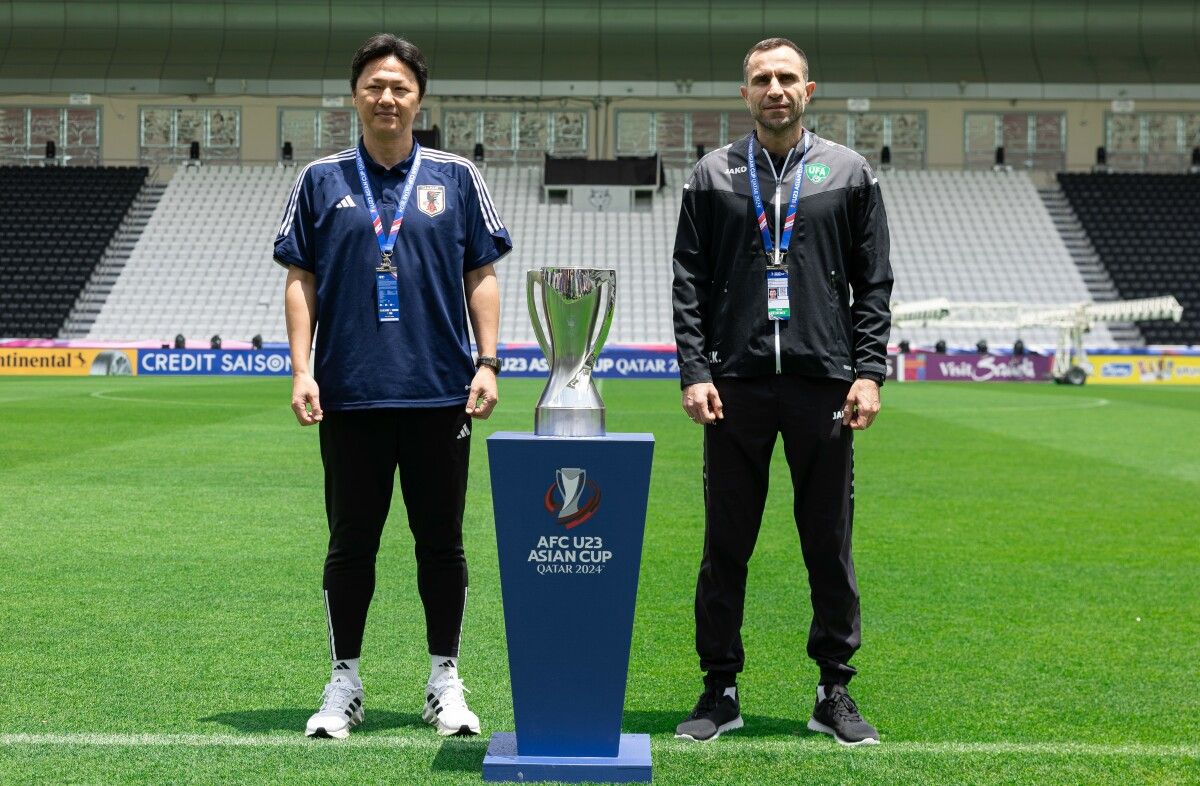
{"x": 933, "y": 367}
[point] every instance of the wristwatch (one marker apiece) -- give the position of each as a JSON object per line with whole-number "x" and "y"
{"x": 491, "y": 362}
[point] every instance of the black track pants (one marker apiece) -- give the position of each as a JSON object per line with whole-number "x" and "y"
{"x": 361, "y": 451}
{"x": 737, "y": 459}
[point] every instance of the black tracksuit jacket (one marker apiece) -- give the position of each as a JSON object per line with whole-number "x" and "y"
{"x": 839, "y": 275}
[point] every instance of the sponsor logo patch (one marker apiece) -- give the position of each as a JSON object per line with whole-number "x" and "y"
{"x": 1117, "y": 370}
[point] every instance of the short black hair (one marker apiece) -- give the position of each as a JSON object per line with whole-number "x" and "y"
{"x": 774, "y": 43}
{"x": 383, "y": 45}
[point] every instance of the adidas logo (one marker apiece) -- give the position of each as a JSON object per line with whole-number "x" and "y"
{"x": 347, "y": 201}
{"x": 449, "y": 664}
{"x": 342, "y": 666}
{"x": 464, "y": 432}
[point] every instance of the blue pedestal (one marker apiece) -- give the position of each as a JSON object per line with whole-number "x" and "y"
{"x": 630, "y": 765}
{"x": 570, "y": 515}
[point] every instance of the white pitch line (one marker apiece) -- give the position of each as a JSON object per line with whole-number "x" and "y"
{"x": 430, "y": 742}
{"x": 104, "y": 395}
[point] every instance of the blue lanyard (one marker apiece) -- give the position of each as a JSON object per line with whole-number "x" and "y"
{"x": 760, "y": 211}
{"x": 387, "y": 244}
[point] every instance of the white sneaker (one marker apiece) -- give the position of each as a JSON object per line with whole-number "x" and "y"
{"x": 341, "y": 710}
{"x": 446, "y": 708}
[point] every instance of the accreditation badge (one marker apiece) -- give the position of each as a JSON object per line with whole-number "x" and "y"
{"x": 779, "y": 303}
{"x": 387, "y": 296}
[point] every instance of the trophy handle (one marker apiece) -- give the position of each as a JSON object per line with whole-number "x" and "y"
{"x": 535, "y": 277}
{"x": 609, "y": 303}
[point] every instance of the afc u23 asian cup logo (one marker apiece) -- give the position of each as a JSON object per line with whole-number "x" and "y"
{"x": 577, "y": 497}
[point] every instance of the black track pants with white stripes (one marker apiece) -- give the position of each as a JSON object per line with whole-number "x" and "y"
{"x": 361, "y": 451}
{"x": 737, "y": 460}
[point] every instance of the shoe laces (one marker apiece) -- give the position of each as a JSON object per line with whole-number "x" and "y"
{"x": 337, "y": 696}
{"x": 706, "y": 703}
{"x": 843, "y": 706}
{"x": 448, "y": 691}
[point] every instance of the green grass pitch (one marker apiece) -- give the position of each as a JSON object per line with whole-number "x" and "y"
{"x": 1028, "y": 557}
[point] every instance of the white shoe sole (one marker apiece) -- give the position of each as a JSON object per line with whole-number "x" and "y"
{"x": 465, "y": 730}
{"x": 816, "y": 725}
{"x": 736, "y": 723}
{"x": 322, "y": 733}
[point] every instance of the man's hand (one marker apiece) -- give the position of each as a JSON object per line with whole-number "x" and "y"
{"x": 483, "y": 398}
{"x": 862, "y": 404}
{"x": 702, "y": 403}
{"x": 306, "y": 399}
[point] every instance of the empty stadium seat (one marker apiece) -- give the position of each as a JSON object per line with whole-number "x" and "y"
{"x": 978, "y": 236}
{"x": 203, "y": 264}
{"x": 55, "y": 226}
{"x": 1146, "y": 229}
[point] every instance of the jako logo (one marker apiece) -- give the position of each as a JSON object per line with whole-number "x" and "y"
{"x": 737, "y": 170}
{"x": 571, "y": 508}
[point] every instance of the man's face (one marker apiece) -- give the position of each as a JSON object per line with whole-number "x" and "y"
{"x": 386, "y": 97}
{"x": 776, "y": 90}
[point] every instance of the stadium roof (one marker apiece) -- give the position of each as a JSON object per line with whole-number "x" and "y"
{"x": 304, "y": 46}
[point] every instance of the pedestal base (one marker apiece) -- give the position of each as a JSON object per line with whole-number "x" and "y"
{"x": 630, "y": 765}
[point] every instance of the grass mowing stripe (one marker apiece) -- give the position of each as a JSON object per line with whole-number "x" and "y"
{"x": 688, "y": 748}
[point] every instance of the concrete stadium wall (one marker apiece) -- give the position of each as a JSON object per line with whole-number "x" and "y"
{"x": 260, "y": 119}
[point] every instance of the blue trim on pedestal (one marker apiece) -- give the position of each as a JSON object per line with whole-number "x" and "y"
{"x": 630, "y": 765}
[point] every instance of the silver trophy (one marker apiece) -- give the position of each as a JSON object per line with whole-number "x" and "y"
{"x": 578, "y": 313}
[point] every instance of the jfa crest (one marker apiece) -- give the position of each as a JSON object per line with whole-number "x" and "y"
{"x": 431, "y": 199}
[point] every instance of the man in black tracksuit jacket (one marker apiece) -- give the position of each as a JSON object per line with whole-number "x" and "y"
{"x": 810, "y": 369}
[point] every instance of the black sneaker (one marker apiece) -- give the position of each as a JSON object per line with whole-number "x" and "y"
{"x": 837, "y": 715}
{"x": 714, "y": 713}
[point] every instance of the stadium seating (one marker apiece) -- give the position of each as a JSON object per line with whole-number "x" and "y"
{"x": 637, "y": 245}
{"x": 54, "y": 228}
{"x": 202, "y": 266}
{"x": 978, "y": 236}
{"x": 1146, "y": 229}
{"x": 203, "y": 263}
